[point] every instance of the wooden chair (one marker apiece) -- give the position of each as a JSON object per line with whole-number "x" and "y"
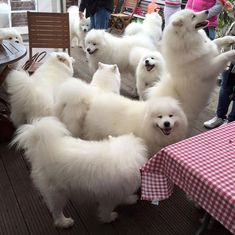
{"x": 48, "y": 30}
{"x": 119, "y": 21}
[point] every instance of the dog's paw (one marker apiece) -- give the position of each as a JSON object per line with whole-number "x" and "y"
{"x": 132, "y": 199}
{"x": 64, "y": 222}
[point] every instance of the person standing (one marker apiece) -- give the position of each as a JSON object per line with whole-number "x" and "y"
{"x": 214, "y": 7}
{"x": 170, "y": 7}
{"x": 99, "y": 12}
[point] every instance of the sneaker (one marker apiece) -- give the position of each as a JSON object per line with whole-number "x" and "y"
{"x": 214, "y": 122}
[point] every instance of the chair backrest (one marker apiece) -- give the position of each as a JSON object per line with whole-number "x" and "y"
{"x": 48, "y": 30}
{"x": 130, "y": 5}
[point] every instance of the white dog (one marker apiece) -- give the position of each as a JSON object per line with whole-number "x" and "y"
{"x": 192, "y": 60}
{"x": 149, "y": 71}
{"x": 107, "y": 77}
{"x": 109, "y": 49}
{"x": 93, "y": 116}
{"x": 32, "y": 96}
{"x": 151, "y": 26}
{"x": 10, "y": 34}
{"x": 78, "y": 27}
{"x": 107, "y": 170}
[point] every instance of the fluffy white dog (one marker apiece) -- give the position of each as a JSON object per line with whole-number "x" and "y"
{"x": 151, "y": 26}
{"x": 93, "y": 116}
{"x": 10, "y": 34}
{"x": 78, "y": 27}
{"x": 32, "y": 96}
{"x": 107, "y": 170}
{"x": 109, "y": 49}
{"x": 149, "y": 71}
{"x": 107, "y": 77}
{"x": 193, "y": 62}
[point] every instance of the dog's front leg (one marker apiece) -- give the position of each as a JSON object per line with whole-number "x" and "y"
{"x": 225, "y": 42}
{"x": 220, "y": 62}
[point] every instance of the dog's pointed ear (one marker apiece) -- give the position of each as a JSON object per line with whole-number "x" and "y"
{"x": 115, "y": 67}
{"x": 100, "y": 65}
{"x": 178, "y": 22}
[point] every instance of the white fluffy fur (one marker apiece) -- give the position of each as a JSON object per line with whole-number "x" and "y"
{"x": 151, "y": 26}
{"x": 107, "y": 170}
{"x": 95, "y": 116}
{"x": 10, "y": 34}
{"x": 109, "y": 49}
{"x": 107, "y": 77}
{"x": 32, "y": 96}
{"x": 78, "y": 27}
{"x": 149, "y": 71}
{"x": 193, "y": 62}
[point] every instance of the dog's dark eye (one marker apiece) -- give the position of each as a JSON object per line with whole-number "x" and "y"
{"x": 160, "y": 116}
{"x": 152, "y": 58}
{"x": 10, "y": 38}
{"x": 193, "y": 16}
{"x": 171, "y": 115}
{"x": 94, "y": 44}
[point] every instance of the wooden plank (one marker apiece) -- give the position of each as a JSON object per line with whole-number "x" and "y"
{"x": 10, "y": 210}
{"x": 34, "y": 211}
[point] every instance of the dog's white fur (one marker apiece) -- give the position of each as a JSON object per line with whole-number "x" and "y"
{"x": 107, "y": 170}
{"x": 32, "y": 96}
{"x": 151, "y": 26}
{"x": 149, "y": 71}
{"x": 109, "y": 49}
{"x": 107, "y": 77}
{"x": 10, "y": 34}
{"x": 94, "y": 116}
{"x": 193, "y": 62}
{"x": 78, "y": 27}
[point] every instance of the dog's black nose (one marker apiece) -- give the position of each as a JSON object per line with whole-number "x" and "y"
{"x": 84, "y": 30}
{"x": 146, "y": 61}
{"x": 166, "y": 124}
{"x": 207, "y": 12}
{"x": 88, "y": 49}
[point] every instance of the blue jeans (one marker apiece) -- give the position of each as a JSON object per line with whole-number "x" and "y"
{"x": 100, "y": 20}
{"x": 226, "y": 90}
{"x": 210, "y": 32}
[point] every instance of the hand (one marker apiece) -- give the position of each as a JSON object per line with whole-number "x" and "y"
{"x": 81, "y": 15}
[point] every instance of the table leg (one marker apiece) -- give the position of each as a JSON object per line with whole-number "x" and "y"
{"x": 206, "y": 221}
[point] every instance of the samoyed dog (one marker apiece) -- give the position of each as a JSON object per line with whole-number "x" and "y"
{"x": 158, "y": 121}
{"x": 78, "y": 27}
{"x": 10, "y": 34}
{"x": 193, "y": 62}
{"x": 104, "y": 47}
{"x": 106, "y": 170}
{"x": 151, "y": 26}
{"x": 149, "y": 71}
{"x": 32, "y": 96}
{"x": 107, "y": 77}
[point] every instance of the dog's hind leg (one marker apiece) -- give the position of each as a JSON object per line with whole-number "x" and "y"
{"x": 105, "y": 211}
{"x": 56, "y": 201}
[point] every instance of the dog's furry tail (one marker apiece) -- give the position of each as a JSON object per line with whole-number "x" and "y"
{"x": 42, "y": 134}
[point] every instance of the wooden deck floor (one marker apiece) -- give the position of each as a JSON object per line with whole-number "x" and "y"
{"x": 22, "y": 210}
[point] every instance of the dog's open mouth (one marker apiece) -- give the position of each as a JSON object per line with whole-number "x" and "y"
{"x": 201, "y": 24}
{"x": 149, "y": 67}
{"x": 166, "y": 130}
{"x": 92, "y": 52}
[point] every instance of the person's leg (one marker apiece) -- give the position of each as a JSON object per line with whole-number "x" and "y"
{"x": 92, "y": 18}
{"x": 102, "y": 18}
{"x": 231, "y": 116}
{"x": 224, "y": 96}
{"x": 212, "y": 32}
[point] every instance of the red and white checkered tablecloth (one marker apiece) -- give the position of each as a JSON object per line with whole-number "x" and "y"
{"x": 203, "y": 166}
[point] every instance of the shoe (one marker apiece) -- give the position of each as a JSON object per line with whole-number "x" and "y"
{"x": 214, "y": 122}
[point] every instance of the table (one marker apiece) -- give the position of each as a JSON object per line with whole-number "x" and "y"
{"x": 10, "y": 52}
{"x": 203, "y": 166}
